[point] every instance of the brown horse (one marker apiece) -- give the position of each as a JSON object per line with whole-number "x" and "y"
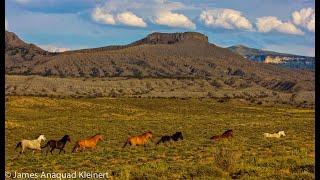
{"x": 139, "y": 140}
{"x": 226, "y": 134}
{"x": 90, "y": 143}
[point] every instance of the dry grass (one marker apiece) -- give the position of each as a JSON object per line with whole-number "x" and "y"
{"x": 247, "y": 155}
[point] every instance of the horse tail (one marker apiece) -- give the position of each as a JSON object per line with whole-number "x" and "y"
{"x": 18, "y": 145}
{"x": 75, "y": 147}
{"x": 159, "y": 141}
{"x": 125, "y": 143}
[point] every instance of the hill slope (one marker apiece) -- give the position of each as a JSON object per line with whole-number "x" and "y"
{"x": 271, "y": 57}
{"x": 159, "y": 55}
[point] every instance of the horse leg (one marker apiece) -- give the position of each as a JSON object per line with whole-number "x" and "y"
{"x": 52, "y": 150}
{"x": 22, "y": 149}
{"x": 48, "y": 149}
{"x": 39, "y": 148}
{"x": 75, "y": 148}
{"x": 60, "y": 151}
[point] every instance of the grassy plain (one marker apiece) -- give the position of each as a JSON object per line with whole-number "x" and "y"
{"x": 247, "y": 156}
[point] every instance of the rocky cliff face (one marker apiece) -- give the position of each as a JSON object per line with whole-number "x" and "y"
{"x": 270, "y": 57}
{"x": 18, "y": 50}
{"x": 172, "y": 38}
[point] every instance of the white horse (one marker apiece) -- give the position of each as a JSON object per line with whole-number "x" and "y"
{"x": 275, "y": 135}
{"x": 31, "y": 144}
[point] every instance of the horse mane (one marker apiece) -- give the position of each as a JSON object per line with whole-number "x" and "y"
{"x": 177, "y": 134}
{"x": 227, "y": 133}
{"x": 65, "y": 137}
{"x": 95, "y": 135}
{"x": 38, "y": 136}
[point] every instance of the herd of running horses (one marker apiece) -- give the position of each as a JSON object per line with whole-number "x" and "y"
{"x": 91, "y": 143}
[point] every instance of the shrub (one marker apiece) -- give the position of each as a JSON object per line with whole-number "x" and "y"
{"x": 114, "y": 93}
{"x": 230, "y": 81}
{"x": 238, "y": 72}
{"x": 224, "y": 99}
{"x": 137, "y": 73}
{"x": 216, "y": 83}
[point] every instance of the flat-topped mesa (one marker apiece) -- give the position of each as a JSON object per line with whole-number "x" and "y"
{"x": 171, "y": 38}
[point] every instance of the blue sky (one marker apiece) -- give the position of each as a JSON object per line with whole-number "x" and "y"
{"x": 58, "y": 25}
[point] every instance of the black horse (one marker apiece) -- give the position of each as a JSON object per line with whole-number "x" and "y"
{"x": 175, "y": 137}
{"x": 53, "y": 144}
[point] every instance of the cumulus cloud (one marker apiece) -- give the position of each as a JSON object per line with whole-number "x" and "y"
{"x": 102, "y": 16}
{"x": 53, "y": 48}
{"x": 134, "y": 13}
{"x": 6, "y": 24}
{"x": 171, "y": 19}
{"x": 225, "y": 18}
{"x": 305, "y": 18}
{"x": 271, "y": 23}
{"x": 130, "y": 19}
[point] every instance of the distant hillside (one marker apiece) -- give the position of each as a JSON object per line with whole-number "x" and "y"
{"x": 271, "y": 57}
{"x": 160, "y": 55}
{"x": 17, "y": 51}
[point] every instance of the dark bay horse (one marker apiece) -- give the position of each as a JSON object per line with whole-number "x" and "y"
{"x": 53, "y": 144}
{"x": 175, "y": 137}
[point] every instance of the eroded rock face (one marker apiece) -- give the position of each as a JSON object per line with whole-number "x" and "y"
{"x": 171, "y": 38}
{"x": 15, "y": 47}
{"x": 12, "y": 41}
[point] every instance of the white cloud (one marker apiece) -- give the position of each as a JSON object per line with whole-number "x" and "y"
{"x": 225, "y": 18}
{"x": 171, "y": 19}
{"x": 6, "y": 24}
{"x": 102, "y": 16}
{"x": 271, "y": 23}
{"x": 53, "y": 48}
{"x": 134, "y": 13}
{"x": 305, "y": 18}
{"x": 130, "y": 19}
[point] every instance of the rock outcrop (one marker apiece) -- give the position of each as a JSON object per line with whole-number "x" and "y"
{"x": 172, "y": 38}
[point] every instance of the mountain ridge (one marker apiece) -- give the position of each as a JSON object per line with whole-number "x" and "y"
{"x": 171, "y": 55}
{"x": 183, "y": 58}
{"x": 272, "y": 57}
